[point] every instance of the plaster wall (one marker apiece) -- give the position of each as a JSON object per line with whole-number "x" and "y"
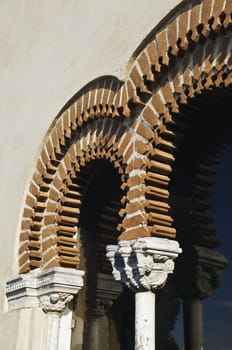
{"x": 50, "y": 50}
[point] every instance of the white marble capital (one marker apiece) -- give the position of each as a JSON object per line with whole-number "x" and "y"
{"x": 51, "y": 289}
{"x": 55, "y": 302}
{"x": 143, "y": 264}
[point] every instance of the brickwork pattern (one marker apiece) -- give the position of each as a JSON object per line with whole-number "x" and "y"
{"x": 132, "y": 125}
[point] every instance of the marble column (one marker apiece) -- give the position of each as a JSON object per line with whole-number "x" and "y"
{"x": 58, "y": 336}
{"x": 199, "y": 272}
{"x": 143, "y": 265}
{"x": 51, "y": 290}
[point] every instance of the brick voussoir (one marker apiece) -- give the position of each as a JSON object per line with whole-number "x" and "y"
{"x": 162, "y": 47}
{"x": 134, "y": 233}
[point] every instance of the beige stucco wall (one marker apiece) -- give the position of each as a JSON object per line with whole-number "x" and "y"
{"x": 48, "y": 51}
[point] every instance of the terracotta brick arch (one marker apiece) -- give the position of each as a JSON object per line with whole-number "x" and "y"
{"x": 134, "y": 125}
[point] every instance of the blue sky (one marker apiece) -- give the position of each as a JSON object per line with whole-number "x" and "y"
{"x": 217, "y": 310}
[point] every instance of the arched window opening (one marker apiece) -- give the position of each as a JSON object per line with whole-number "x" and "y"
{"x": 199, "y": 155}
{"x": 221, "y": 304}
{"x": 101, "y": 311}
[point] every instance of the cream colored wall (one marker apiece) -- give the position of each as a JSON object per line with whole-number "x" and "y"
{"x": 49, "y": 49}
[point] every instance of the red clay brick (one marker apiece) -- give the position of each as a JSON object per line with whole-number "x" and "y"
{"x": 134, "y": 221}
{"x": 72, "y": 115}
{"x": 145, "y": 66}
{"x": 138, "y": 80}
{"x": 153, "y": 56}
{"x": 162, "y": 47}
{"x": 194, "y": 21}
{"x": 143, "y": 231}
{"x": 51, "y": 242}
{"x": 24, "y": 259}
{"x": 134, "y": 206}
{"x": 24, "y": 236}
{"x": 183, "y": 29}
{"x": 136, "y": 163}
{"x": 228, "y": 12}
{"x": 50, "y": 254}
{"x": 150, "y": 116}
{"x": 172, "y": 37}
{"x": 158, "y": 103}
{"x": 60, "y": 131}
{"x": 125, "y": 140}
{"x": 217, "y": 10}
{"x": 168, "y": 96}
{"x": 55, "y": 141}
{"x": 79, "y": 111}
{"x": 144, "y": 131}
{"x": 23, "y": 248}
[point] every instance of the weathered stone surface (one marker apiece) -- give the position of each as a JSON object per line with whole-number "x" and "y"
{"x": 143, "y": 264}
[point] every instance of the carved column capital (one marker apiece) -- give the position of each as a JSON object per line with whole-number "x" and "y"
{"x": 199, "y": 272}
{"x": 51, "y": 289}
{"x": 107, "y": 291}
{"x": 55, "y": 302}
{"x": 102, "y": 306}
{"x": 143, "y": 264}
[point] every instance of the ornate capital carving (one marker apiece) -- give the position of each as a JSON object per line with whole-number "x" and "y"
{"x": 102, "y": 306}
{"x": 199, "y": 272}
{"x": 55, "y": 302}
{"x": 52, "y": 289}
{"x": 107, "y": 291}
{"x": 144, "y": 263}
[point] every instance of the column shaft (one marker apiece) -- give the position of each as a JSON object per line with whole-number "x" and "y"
{"x": 98, "y": 334}
{"x": 145, "y": 320}
{"x": 52, "y": 338}
{"x": 93, "y": 334}
{"x": 65, "y": 330}
{"x": 193, "y": 324}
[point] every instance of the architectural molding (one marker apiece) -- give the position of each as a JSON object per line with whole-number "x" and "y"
{"x": 55, "y": 302}
{"x": 143, "y": 264}
{"x": 107, "y": 287}
{"x": 51, "y": 289}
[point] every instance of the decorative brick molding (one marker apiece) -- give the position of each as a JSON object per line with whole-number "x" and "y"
{"x": 51, "y": 289}
{"x": 130, "y": 124}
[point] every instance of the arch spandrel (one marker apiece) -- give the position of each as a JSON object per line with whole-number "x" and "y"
{"x": 134, "y": 125}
